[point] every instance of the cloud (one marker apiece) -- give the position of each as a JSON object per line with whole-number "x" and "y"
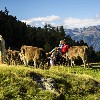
{"x": 69, "y": 22}
{"x": 41, "y": 20}
{"x": 80, "y": 23}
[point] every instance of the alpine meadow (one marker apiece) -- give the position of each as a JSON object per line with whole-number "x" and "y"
{"x": 26, "y": 70}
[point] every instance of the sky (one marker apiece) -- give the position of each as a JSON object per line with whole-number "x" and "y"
{"x": 68, "y": 13}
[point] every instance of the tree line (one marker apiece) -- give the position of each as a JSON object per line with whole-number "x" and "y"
{"x": 17, "y": 33}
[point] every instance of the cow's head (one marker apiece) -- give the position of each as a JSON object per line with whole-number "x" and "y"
{"x": 40, "y": 54}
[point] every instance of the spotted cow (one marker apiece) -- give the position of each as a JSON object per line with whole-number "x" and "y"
{"x": 78, "y": 51}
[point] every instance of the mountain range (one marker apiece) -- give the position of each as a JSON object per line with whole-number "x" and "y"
{"x": 90, "y": 35}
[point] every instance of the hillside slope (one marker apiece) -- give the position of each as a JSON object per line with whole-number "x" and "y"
{"x": 20, "y": 83}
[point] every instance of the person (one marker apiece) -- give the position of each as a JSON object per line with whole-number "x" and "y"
{"x": 59, "y": 47}
{"x": 65, "y": 48}
{"x": 51, "y": 60}
{"x": 55, "y": 53}
{"x": 61, "y": 44}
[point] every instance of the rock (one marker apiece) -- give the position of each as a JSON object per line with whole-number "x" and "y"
{"x": 45, "y": 83}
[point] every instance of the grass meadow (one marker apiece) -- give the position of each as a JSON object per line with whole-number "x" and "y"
{"x": 77, "y": 83}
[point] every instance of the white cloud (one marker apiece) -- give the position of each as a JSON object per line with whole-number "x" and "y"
{"x": 79, "y": 23}
{"x": 69, "y": 22}
{"x": 41, "y": 20}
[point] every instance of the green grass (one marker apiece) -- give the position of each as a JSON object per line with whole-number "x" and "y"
{"x": 78, "y": 83}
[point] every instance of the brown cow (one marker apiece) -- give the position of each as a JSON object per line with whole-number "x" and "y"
{"x": 8, "y": 56}
{"x": 78, "y": 51}
{"x": 32, "y": 54}
{"x": 13, "y": 57}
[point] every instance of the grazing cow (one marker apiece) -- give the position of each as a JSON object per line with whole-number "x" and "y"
{"x": 78, "y": 51}
{"x": 33, "y": 54}
{"x": 13, "y": 57}
{"x": 8, "y": 56}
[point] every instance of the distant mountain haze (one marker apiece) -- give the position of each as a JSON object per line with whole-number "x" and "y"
{"x": 90, "y": 35}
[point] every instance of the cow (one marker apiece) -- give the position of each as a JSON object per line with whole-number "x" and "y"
{"x": 56, "y": 58}
{"x": 8, "y": 56}
{"x": 13, "y": 57}
{"x": 76, "y": 52}
{"x": 33, "y": 54}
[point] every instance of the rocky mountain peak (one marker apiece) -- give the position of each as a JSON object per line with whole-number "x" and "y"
{"x": 90, "y": 35}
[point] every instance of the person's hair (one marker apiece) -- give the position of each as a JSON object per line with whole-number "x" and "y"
{"x": 61, "y": 41}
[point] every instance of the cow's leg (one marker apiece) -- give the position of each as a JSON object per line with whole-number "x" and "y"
{"x": 72, "y": 62}
{"x": 87, "y": 64}
{"x": 25, "y": 62}
{"x": 68, "y": 61}
{"x": 47, "y": 63}
{"x": 35, "y": 63}
{"x": 8, "y": 61}
{"x": 15, "y": 62}
{"x": 84, "y": 62}
{"x": 11, "y": 62}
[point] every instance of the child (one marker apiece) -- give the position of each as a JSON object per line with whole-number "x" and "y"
{"x": 65, "y": 48}
{"x": 61, "y": 44}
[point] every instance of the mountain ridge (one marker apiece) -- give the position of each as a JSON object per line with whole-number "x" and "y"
{"x": 90, "y": 35}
